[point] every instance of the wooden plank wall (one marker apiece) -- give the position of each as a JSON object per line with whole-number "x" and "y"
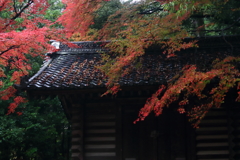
{"x": 104, "y": 130}
{"x": 77, "y": 132}
{"x": 218, "y": 137}
{"x": 235, "y": 134}
{"x": 100, "y": 131}
{"x": 140, "y": 139}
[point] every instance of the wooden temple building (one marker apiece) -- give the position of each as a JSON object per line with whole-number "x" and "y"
{"x": 102, "y": 127}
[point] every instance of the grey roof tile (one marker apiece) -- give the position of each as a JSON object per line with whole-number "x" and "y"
{"x": 76, "y": 67}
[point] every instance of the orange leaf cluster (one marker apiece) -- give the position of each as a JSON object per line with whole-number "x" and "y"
{"x": 192, "y": 85}
{"x": 13, "y": 105}
{"x": 7, "y": 93}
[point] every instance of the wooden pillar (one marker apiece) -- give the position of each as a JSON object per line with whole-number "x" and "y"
{"x": 77, "y": 132}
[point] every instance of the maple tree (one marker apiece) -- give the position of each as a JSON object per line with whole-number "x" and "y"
{"x": 165, "y": 23}
{"x": 30, "y": 129}
{"x": 24, "y": 33}
{"x": 135, "y": 26}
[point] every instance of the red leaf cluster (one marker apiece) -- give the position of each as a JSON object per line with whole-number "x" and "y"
{"x": 78, "y": 15}
{"x": 21, "y": 36}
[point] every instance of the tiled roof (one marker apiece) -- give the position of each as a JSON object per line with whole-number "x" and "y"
{"x": 76, "y": 67}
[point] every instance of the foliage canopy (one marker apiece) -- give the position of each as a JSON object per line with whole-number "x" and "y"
{"x": 26, "y": 26}
{"x": 137, "y": 26}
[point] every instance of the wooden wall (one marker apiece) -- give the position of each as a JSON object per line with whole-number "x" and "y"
{"x": 77, "y": 131}
{"x": 218, "y": 137}
{"x": 103, "y": 129}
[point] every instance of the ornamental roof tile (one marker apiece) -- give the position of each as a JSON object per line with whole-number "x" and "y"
{"x": 74, "y": 68}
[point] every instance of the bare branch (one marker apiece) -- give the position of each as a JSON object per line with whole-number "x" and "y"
{"x": 14, "y": 6}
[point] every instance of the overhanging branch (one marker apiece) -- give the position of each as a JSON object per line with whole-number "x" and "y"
{"x": 12, "y": 47}
{"x": 18, "y": 14}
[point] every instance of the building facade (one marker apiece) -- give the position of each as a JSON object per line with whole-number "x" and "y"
{"x": 103, "y": 128}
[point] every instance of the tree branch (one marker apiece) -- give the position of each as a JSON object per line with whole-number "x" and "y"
{"x": 12, "y": 47}
{"x": 14, "y": 6}
{"x": 18, "y": 14}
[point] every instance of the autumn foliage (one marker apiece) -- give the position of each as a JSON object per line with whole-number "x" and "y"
{"x": 136, "y": 27}
{"x": 23, "y": 35}
{"x": 78, "y": 15}
{"x": 132, "y": 29}
{"x": 193, "y": 83}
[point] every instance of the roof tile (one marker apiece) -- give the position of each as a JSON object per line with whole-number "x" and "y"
{"x": 76, "y": 68}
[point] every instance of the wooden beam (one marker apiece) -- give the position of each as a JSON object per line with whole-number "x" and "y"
{"x": 65, "y": 106}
